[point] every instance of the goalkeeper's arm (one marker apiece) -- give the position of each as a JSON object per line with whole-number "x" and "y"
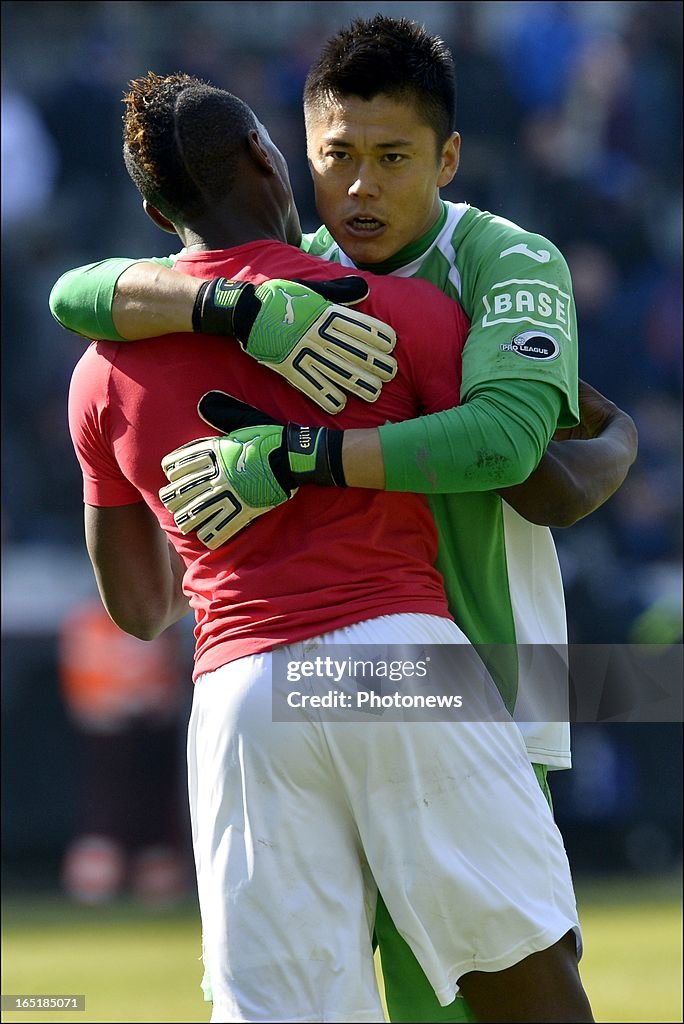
{"x": 303, "y": 330}
{"x": 498, "y": 440}
{"x": 218, "y": 485}
{"x": 124, "y": 299}
{"x": 495, "y": 440}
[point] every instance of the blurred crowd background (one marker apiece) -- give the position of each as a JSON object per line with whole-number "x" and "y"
{"x": 570, "y": 115}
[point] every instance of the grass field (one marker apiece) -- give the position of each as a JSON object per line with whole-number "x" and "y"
{"x": 142, "y": 966}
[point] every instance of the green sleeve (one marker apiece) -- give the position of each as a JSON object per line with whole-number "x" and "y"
{"x": 494, "y": 440}
{"x": 517, "y": 292}
{"x": 81, "y": 300}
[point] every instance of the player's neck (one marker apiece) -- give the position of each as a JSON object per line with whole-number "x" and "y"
{"x": 243, "y": 220}
{"x": 230, "y": 236}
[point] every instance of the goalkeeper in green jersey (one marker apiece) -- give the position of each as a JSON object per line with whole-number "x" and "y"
{"x": 379, "y": 108}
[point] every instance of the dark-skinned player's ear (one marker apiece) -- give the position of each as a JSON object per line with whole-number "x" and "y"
{"x": 158, "y": 218}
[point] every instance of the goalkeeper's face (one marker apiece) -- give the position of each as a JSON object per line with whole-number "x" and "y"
{"x": 377, "y": 170}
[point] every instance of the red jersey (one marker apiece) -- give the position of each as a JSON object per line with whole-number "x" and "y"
{"x": 329, "y": 556}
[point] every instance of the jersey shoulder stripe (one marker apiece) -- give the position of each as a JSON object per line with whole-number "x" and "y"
{"x": 321, "y": 243}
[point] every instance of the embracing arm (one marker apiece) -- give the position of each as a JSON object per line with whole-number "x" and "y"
{"x": 139, "y": 575}
{"x": 319, "y": 344}
{"x": 493, "y": 441}
{"x": 123, "y": 299}
{"x": 151, "y": 300}
{"x": 496, "y": 439}
{"x": 499, "y": 435}
{"x": 581, "y": 468}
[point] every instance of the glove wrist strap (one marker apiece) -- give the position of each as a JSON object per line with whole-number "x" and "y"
{"x": 314, "y": 455}
{"x": 333, "y": 442}
{"x": 226, "y": 307}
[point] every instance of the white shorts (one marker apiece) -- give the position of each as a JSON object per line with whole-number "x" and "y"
{"x": 297, "y": 824}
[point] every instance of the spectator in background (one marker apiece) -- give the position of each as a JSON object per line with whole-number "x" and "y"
{"x": 538, "y": 55}
{"x": 30, "y": 169}
{"x": 29, "y": 161}
{"x": 124, "y": 697}
{"x": 488, "y": 118}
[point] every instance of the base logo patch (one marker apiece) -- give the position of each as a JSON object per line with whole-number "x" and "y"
{"x": 530, "y": 303}
{"x": 533, "y": 345}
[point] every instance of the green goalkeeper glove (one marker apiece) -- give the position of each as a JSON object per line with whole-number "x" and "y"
{"x": 218, "y": 485}
{"x": 304, "y": 331}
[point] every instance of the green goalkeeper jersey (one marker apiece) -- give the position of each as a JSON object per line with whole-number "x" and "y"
{"x": 501, "y": 572}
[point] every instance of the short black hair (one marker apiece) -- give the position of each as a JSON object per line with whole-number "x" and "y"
{"x": 182, "y": 139}
{"x": 392, "y": 56}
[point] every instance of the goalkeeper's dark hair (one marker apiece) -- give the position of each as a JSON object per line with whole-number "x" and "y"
{"x": 182, "y": 140}
{"x": 392, "y": 56}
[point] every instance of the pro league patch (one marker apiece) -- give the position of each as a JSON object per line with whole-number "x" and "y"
{"x": 532, "y": 345}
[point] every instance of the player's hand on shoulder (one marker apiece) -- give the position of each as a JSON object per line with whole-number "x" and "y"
{"x": 307, "y": 331}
